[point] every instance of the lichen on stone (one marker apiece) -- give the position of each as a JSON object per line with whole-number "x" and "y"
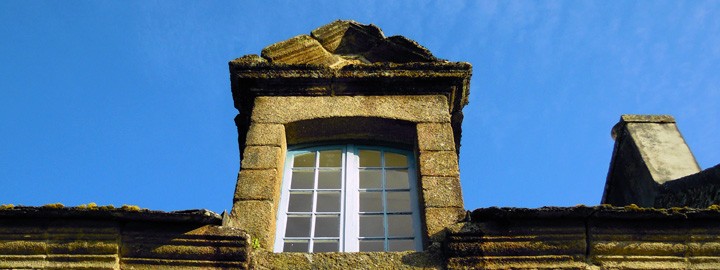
{"x": 54, "y": 205}
{"x": 132, "y": 208}
{"x": 89, "y": 206}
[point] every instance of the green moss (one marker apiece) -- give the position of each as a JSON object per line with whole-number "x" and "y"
{"x": 632, "y": 206}
{"x": 54, "y": 205}
{"x": 6, "y": 206}
{"x": 255, "y": 243}
{"x": 714, "y": 207}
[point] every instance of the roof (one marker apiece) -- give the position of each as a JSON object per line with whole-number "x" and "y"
{"x": 196, "y": 216}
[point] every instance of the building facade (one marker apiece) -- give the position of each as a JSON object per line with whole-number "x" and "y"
{"x": 349, "y": 144}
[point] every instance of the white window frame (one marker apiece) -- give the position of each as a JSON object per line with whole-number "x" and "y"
{"x": 350, "y": 196}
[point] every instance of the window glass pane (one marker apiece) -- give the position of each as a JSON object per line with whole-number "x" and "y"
{"x": 329, "y": 179}
{"x": 395, "y": 160}
{"x": 300, "y": 202}
{"x": 330, "y": 158}
{"x": 370, "y": 179}
{"x": 326, "y": 246}
{"x": 400, "y": 225}
{"x": 328, "y": 202}
{"x": 327, "y": 226}
{"x": 396, "y": 179}
{"x": 297, "y": 226}
{"x": 401, "y": 245}
{"x": 295, "y": 246}
{"x": 370, "y": 158}
{"x": 304, "y": 160}
{"x": 302, "y": 180}
{"x": 370, "y": 201}
{"x": 372, "y": 226}
{"x": 372, "y": 245}
{"x": 398, "y": 201}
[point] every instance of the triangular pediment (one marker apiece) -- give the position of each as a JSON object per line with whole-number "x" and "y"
{"x": 342, "y": 43}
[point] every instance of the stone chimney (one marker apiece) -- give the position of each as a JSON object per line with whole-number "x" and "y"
{"x": 649, "y": 151}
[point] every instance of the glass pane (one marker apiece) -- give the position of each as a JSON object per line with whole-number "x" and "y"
{"x": 329, "y": 179}
{"x": 372, "y": 245}
{"x": 400, "y": 225}
{"x": 295, "y": 246}
{"x": 303, "y": 180}
{"x": 398, "y": 201}
{"x": 326, "y": 246}
{"x": 370, "y": 201}
{"x": 370, "y": 179}
{"x": 304, "y": 160}
{"x": 369, "y": 158}
{"x": 395, "y": 160}
{"x": 297, "y": 226}
{"x": 327, "y": 226}
{"x": 331, "y": 158}
{"x": 401, "y": 245}
{"x": 300, "y": 202}
{"x": 396, "y": 179}
{"x": 328, "y": 202}
{"x": 372, "y": 226}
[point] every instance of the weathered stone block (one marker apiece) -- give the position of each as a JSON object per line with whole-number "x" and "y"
{"x": 262, "y": 157}
{"x": 282, "y": 109}
{"x": 439, "y": 163}
{"x": 257, "y": 185}
{"x": 442, "y": 191}
{"x": 301, "y": 49}
{"x": 348, "y": 260}
{"x": 435, "y": 137}
{"x": 266, "y": 134}
{"x": 439, "y": 218}
{"x": 257, "y": 218}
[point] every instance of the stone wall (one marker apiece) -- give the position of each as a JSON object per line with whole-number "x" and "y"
{"x": 586, "y": 238}
{"x": 73, "y": 238}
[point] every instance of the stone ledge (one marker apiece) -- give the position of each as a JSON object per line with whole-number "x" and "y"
{"x": 199, "y": 216}
{"x": 586, "y": 238}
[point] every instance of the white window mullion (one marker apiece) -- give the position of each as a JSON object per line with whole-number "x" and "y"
{"x": 313, "y": 216}
{"x": 352, "y": 217}
{"x": 343, "y": 200}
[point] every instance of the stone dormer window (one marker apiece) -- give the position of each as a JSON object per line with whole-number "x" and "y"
{"x": 348, "y": 198}
{"x": 348, "y": 142}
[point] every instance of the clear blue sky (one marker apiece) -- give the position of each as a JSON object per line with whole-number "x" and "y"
{"x": 128, "y": 102}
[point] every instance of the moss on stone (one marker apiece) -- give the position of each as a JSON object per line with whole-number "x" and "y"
{"x": 6, "y": 206}
{"x": 132, "y": 208}
{"x": 89, "y": 206}
{"x": 107, "y": 207}
{"x": 54, "y": 205}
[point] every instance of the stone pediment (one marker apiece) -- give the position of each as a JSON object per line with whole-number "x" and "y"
{"x": 341, "y": 43}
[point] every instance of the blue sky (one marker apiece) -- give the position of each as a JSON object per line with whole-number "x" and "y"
{"x": 128, "y": 102}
